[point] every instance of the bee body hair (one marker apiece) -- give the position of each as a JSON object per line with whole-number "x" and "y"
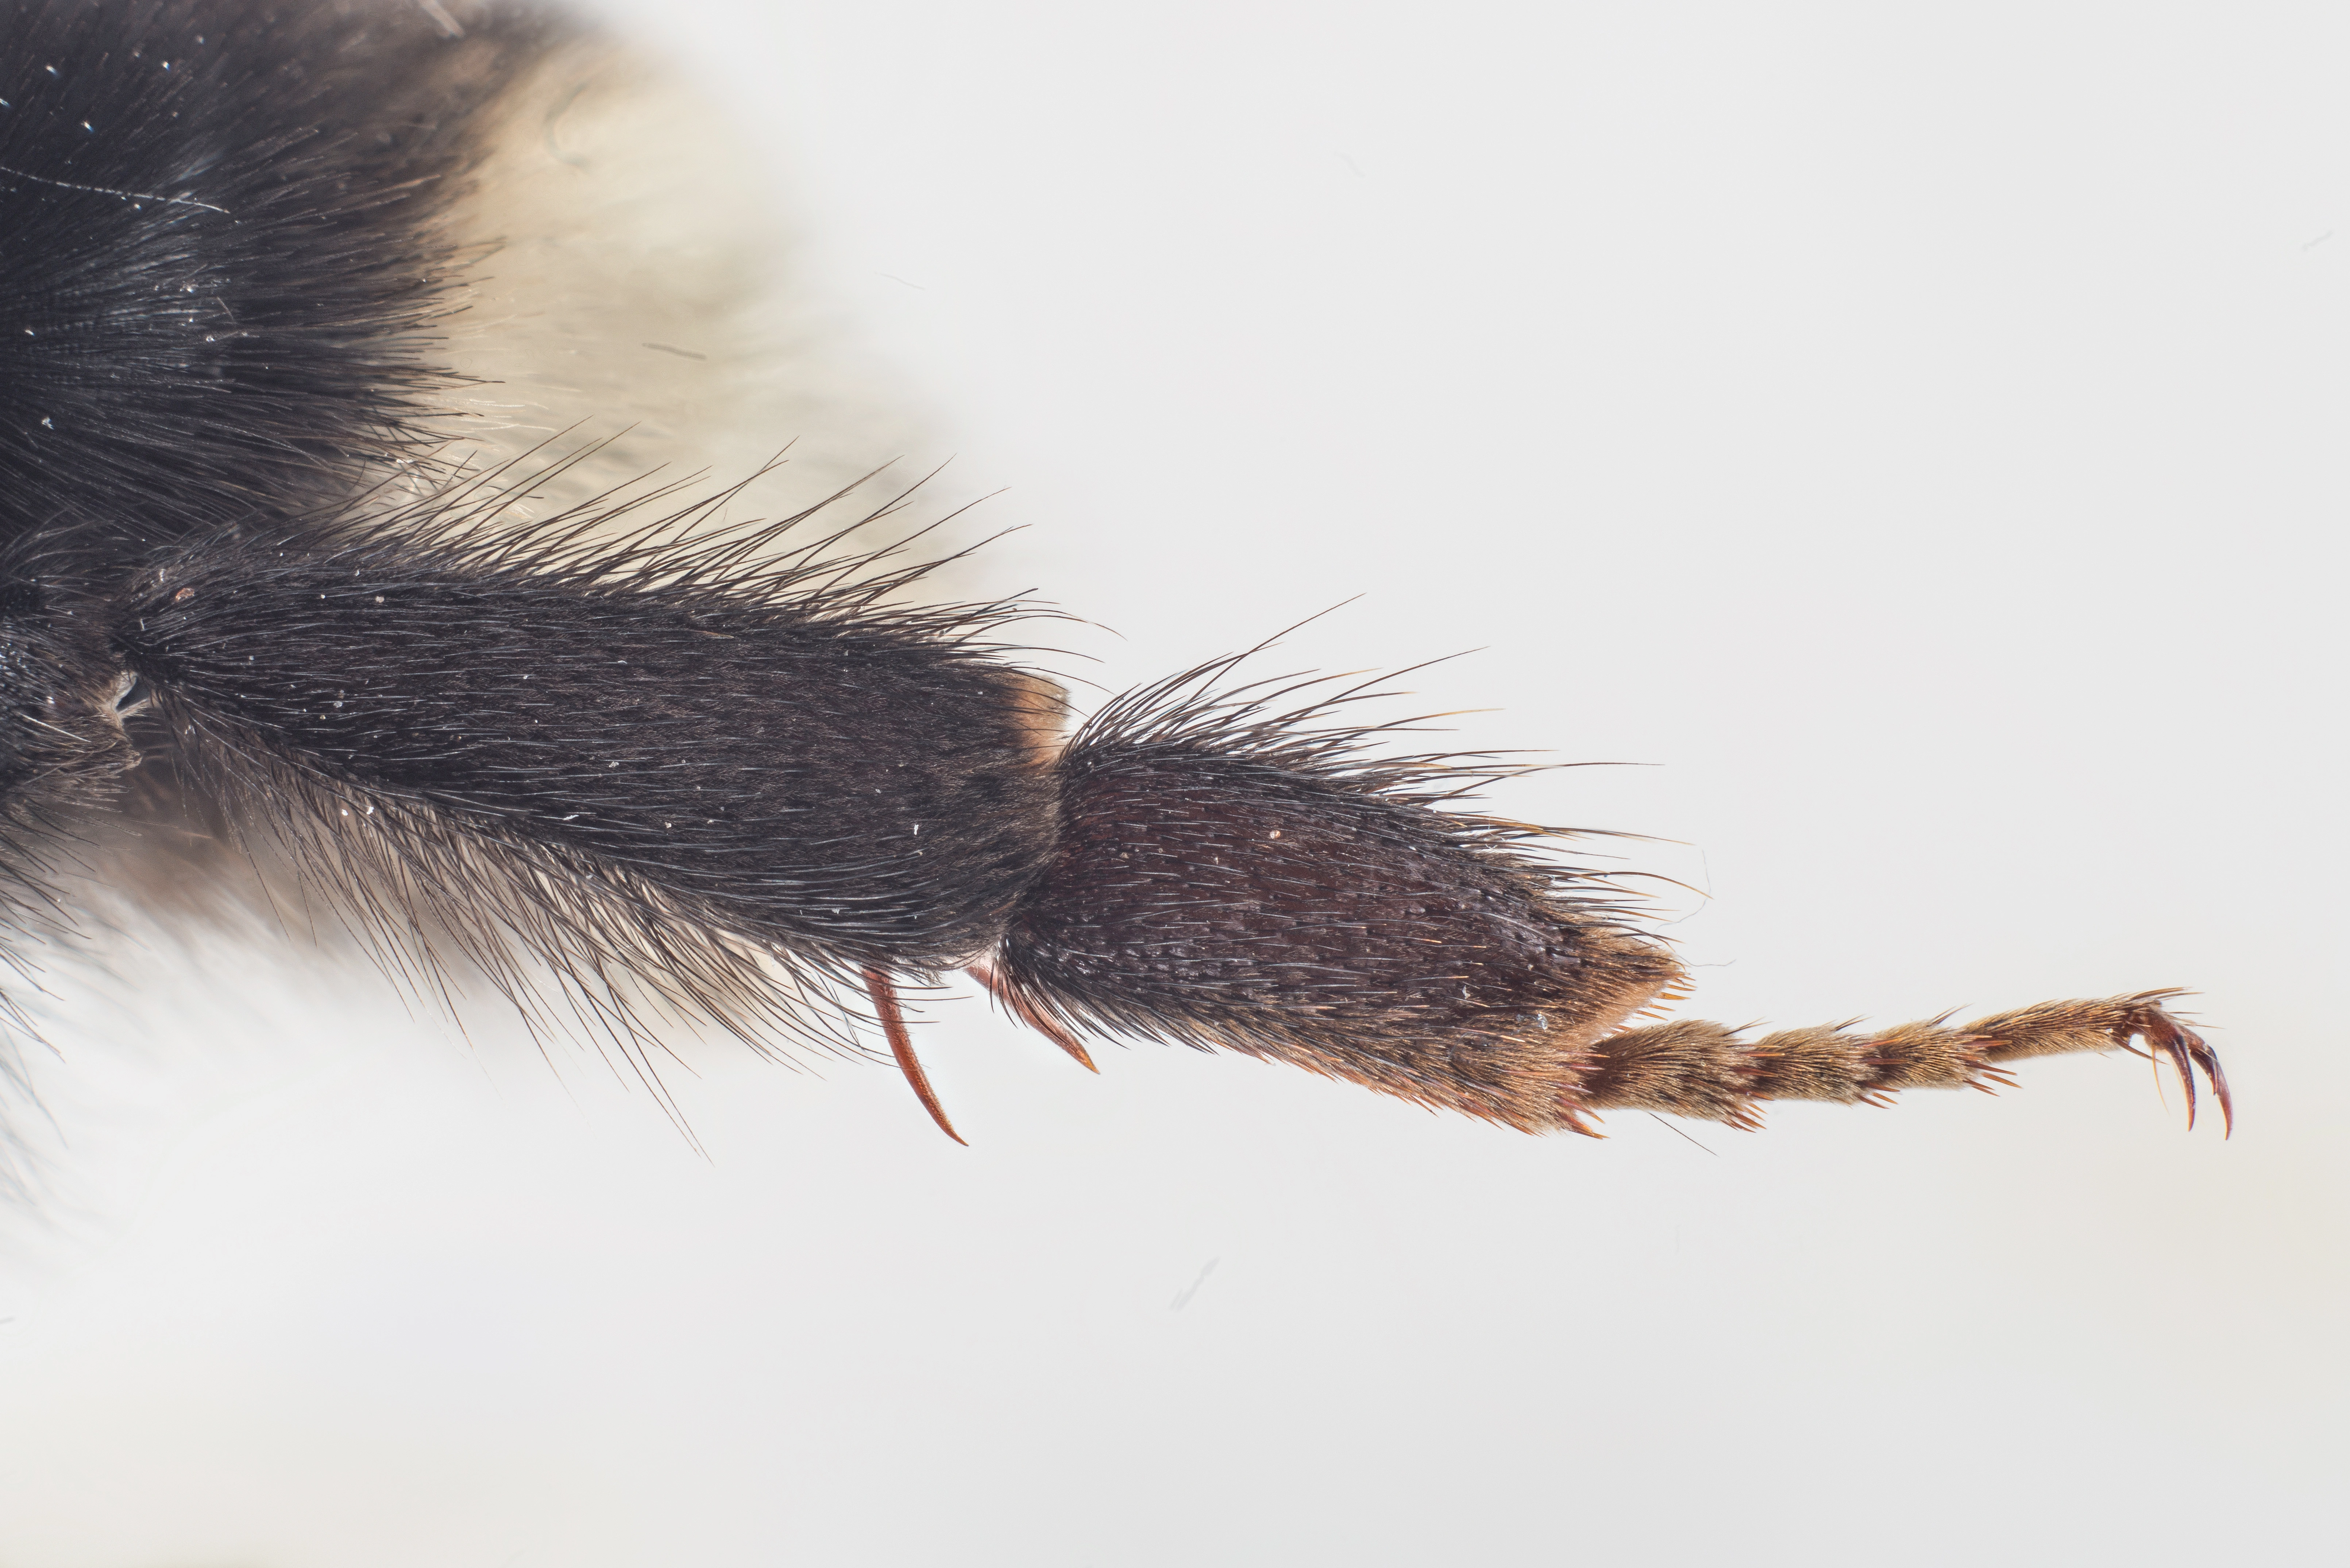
{"x": 298, "y": 305}
{"x": 223, "y": 246}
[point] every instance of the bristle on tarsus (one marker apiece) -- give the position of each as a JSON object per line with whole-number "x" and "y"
{"x": 1707, "y": 1070}
{"x": 2053, "y": 1028}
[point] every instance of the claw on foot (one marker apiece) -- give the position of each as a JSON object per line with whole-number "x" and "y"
{"x": 2184, "y": 1049}
{"x": 2115, "y": 1021}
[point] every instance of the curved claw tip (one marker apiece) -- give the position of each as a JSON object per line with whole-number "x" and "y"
{"x": 2185, "y": 1051}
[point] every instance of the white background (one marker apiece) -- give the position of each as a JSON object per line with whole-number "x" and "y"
{"x": 1914, "y": 433}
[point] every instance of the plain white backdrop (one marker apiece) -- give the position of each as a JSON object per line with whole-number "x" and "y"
{"x": 1911, "y": 433}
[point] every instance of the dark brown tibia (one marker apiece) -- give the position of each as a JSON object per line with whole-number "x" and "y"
{"x": 1704, "y": 1070}
{"x": 1313, "y": 918}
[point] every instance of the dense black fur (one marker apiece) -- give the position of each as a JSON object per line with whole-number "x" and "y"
{"x": 61, "y": 737}
{"x": 662, "y": 764}
{"x": 220, "y": 248}
{"x": 820, "y": 774}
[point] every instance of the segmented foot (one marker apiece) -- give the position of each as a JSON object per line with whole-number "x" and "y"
{"x": 1691, "y": 1068}
{"x": 2055, "y": 1027}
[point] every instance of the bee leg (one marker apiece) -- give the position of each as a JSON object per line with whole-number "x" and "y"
{"x": 1691, "y": 1068}
{"x": 1017, "y": 1005}
{"x": 2055, "y": 1027}
{"x": 901, "y": 1046}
